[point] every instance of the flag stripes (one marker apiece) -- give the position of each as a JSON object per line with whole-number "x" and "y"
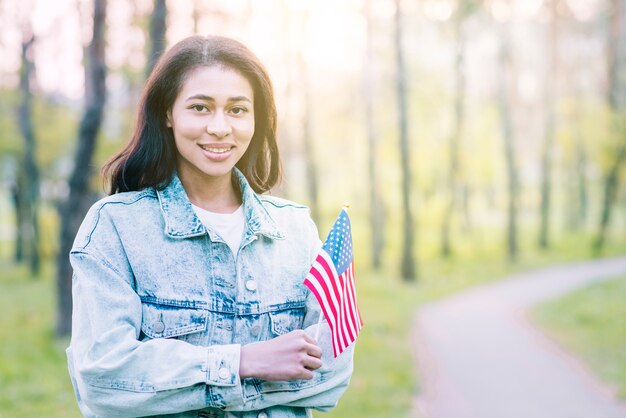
{"x": 337, "y": 297}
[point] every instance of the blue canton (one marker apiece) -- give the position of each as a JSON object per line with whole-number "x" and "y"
{"x": 338, "y": 244}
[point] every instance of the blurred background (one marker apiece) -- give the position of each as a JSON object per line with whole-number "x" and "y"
{"x": 472, "y": 139}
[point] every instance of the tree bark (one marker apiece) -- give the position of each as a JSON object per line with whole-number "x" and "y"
{"x": 550, "y": 129}
{"x": 74, "y": 209}
{"x": 616, "y": 96}
{"x": 455, "y": 138}
{"x": 375, "y": 202}
{"x": 408, "y": 265}
{"x": 307, "y": 137}
{"x": 508, "y": 139}
{"x": 28, "y": 227}
{"x": 157, "y": 34}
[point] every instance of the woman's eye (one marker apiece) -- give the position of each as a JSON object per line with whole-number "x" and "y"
{"x": 238, "y": 110}
{"x": 199, "y": 108}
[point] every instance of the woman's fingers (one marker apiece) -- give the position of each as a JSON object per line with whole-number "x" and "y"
{"x": 291, "y": 356}
{"x": 314, "y": 350}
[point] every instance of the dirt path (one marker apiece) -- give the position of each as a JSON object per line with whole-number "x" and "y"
{"x": 478, "y": 357}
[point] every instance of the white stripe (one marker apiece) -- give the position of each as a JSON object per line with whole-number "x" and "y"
{"x": 352, "y": 297}
{"x": 331, "y": 319}
{"x": 347, "y": 322}
{"x": 327, "y": 280}
{"x": 352, "y": 289}
{"x": 348, "y": 297}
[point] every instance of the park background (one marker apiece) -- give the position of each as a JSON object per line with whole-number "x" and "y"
{"x": 472, "y": 139}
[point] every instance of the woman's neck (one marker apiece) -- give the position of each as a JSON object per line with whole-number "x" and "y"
{"x": 215, "y": 194}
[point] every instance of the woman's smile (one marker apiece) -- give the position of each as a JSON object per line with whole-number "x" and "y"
{"x": 217, "y": 152}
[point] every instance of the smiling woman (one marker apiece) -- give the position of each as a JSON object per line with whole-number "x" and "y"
{"x": 212, "y": 121}
{"x": 188, "y": 282}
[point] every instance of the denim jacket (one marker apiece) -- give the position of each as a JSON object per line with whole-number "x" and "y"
{"x": 162, "y": 307}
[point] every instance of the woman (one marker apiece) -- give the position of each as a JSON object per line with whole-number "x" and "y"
{"x": 188, "y": 294}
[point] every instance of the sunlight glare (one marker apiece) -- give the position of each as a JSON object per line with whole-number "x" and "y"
{"x": 438, "y": 10}
{"x": 583, "y": 10}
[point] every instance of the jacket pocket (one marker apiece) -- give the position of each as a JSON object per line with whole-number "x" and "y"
{"x": 285, "y": 321}
{"x": 164, "y": 321}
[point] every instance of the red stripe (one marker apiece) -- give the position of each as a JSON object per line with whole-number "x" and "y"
{"x": 338, "y": 334}
{"x": 317, "y": 295}
{"x": 329, "y": 274}
{"x": 342, "y": 308}
{"x": 347, "y": 308}
{"x": 355, "y": 309}
{"x": 324, "y": 286}
{"x": 312, "y": 288}
{"x": 352, "y": 295}
{"x": 319, "y": 276}
{"x": 350, "y": 302}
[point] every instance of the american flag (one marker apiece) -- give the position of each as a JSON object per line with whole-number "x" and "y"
{"x": 331, "y": 279}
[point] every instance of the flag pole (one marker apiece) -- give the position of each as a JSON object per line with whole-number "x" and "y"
{"x": 319, "y": 322}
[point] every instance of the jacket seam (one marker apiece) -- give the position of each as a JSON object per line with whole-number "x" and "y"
{"x": 99, "y": 214}
{"x": 283, "y": 205}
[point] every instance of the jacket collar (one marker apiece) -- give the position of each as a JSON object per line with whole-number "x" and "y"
{"x": 181, "y": 221}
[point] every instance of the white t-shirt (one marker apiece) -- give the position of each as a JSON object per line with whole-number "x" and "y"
{"x": 229, "y": 226}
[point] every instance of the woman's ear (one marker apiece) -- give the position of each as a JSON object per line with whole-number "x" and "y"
{"x": 168, "y": 119}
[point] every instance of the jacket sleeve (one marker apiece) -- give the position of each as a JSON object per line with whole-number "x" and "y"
{"x": 113, "y": 372}
{"x": 329, "y": 382}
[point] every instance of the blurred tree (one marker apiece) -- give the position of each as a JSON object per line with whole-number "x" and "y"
{"x": 27, "y": 190}
{"x": 158, "y": 21}
{"x": 464, "y": 8}
{"x": 616, "y": 97}
{"x": 307, "y": 137}
{"x": 577, "y": 208}
{"x": 407, "y": 266}
{"x": 74, "y": 209}
{"x": 376, "y": 209}
{"x": 504, "y": 87}
{"x": 550, "y": 125}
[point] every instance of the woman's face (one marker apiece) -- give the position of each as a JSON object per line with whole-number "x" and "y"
{"x": 212, "y": 120}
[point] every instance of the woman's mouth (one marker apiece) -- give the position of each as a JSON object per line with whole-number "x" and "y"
{"x": 216, "y": 153}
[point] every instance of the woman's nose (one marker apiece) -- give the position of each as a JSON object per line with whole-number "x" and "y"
{"x": 218, "y": 125}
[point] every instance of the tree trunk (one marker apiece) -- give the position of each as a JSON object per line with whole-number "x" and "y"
{"x": 376, "y": 216}
{"x": 407, "y": 267}
{"x": 16, "y": 197}
{"x": 550, "y": 128}
{"x": 157, "y": 34}
{"x": 29, "y": 185}
{"x": 580, "y": 206}
{"x": 616, "y": 96}
{"x": 455, "y": 138}
{"x": 74, "y": 209}
{"x": 307, "y": 138}
{"x": 508, "y": 139}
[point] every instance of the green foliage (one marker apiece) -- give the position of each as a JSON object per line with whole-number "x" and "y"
{"x": 11, "y": 140}
{"x": 592, "y": 323}
{"x": 55, "y": 132}
{"x": 33, "y": 372}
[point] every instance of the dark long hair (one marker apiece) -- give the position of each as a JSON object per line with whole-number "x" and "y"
{"x": 149, "y": 158}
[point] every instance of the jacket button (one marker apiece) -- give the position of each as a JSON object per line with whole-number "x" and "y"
{"x": 262, "y": 415}
{"x": 159, "y": 327}
{"x": 255, "y": 331}
{"x": 251, "y": 285}
{"x": 223, "y": 373}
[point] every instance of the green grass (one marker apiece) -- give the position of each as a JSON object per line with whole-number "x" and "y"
{"x": 592, "y": 323}
{"x": 33, "y": 372}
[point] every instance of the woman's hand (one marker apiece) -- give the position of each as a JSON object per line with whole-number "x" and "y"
{"x": 288, "y": 357}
